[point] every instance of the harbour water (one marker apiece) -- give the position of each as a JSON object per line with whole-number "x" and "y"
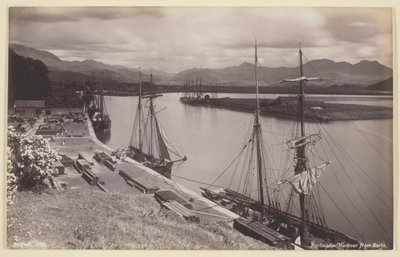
{"x": 359, "y": 181}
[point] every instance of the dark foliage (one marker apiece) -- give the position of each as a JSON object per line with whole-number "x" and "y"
{"x": 27, "y": 79}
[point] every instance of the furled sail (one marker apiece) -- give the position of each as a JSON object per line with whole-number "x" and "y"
{"x": 304, "y": 181}
{"x": 306, "y": 140}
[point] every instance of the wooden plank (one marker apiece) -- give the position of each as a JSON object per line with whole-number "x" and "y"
{"x": 263, "y": 233}
{"x": 101, "y": 157}
{"x": 81, "y": 165}
{"x": 167, "y": 196}
{"x": 181, "y": 211}
{"x": 139, "y": 183}
{"x": 90, "y": 177}
{"x": 124, "y": 175}
{"x": 87, "y": 158}
{"x": 146, "y": 185}
{"x": 109, "y": 165}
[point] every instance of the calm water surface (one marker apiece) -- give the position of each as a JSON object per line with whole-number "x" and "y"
{"x": 358, "y": 181}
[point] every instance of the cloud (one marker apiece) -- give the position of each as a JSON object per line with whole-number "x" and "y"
{"x": 357, "y": 24}
{"x": 176, "y": 38}
{"x": 74, "y": 14}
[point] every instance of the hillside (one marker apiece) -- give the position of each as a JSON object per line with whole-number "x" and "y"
{"x": 88, "y": 68}
{"x": 362, "y": 74}
{"x": 77, "y": 219}
{"x": 27, "y": 80}
{"x": 386, "y": 85}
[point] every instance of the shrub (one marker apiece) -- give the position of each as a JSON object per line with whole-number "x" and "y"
{"x": 30, "y": 161}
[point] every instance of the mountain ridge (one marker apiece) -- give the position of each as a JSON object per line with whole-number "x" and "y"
{"x": 363, "y": 73}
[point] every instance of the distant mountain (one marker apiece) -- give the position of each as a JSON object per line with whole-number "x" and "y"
{"x": 61, "y": 69}
{"x": 364, "y": 73}
{"x": 332, "y": 73}
{"x": 46, "y": 57}
{"x": 386, "y": 85}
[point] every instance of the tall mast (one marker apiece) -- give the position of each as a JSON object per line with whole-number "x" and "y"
{"x": 257, "y": 131}
{"x": 201, "y": 89}
{"x": 301, "y": 164}
{"x": 301, "y": 159}
{"x": 152, "y": 114}
{"x": 140, "y": 109}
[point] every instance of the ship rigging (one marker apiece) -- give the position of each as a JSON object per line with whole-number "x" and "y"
{"x": 149, "y": 144}
{"x": 289, "y": 202}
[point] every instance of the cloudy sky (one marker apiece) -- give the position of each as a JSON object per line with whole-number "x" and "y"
{"x": 176, "y": 38}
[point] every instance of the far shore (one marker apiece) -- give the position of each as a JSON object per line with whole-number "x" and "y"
{"x": 247, "y": 90}
{"x": 287, "y": 108}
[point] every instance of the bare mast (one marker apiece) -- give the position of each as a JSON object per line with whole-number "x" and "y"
{"x": 140, "y": 110}
{"x": 257, "y": 131}
{"x": 151, "y": 114}
{"x": 301, "y": 164}
{"x": 300, "y": 146}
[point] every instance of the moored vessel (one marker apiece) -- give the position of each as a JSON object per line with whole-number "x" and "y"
{"x": 149, "y": 144}
{"x": 290, "y": 202}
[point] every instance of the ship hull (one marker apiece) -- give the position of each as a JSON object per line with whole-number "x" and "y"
{"x": 193, "y": 100}
{"x": 103, "y": 126}
{"x": 287, "y": 224}
{"x": 163, "y": 167}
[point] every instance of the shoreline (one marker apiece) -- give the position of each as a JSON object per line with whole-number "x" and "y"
{"x": 248, "y": 90}
{"x": 315, "y": 111}
{"x": 79, "y": 140}
{"x": 170, "y": 182}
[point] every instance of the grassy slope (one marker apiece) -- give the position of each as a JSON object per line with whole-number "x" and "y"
{"x": 95, "y": 220}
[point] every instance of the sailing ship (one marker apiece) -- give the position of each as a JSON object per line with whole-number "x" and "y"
{"x": 149, "y": 144}
{"x": 264, "y": 212}
{"x": 190, "y": 96}
{"x": 98, "y": 115}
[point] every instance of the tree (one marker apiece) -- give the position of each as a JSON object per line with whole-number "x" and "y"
{"x": 28, "y": 79}
{"x": 30, "y": 161}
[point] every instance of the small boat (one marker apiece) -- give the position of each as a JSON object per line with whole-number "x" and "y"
{"x": 149, "y": 144}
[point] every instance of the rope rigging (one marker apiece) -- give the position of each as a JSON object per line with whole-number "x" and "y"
{"x": 385, "y": 235}
{"x": 390, "y": 162}
{"x": 352, "y": 162}
{"x": 223, "y": 172}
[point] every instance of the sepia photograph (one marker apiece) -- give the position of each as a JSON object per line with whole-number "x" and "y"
{"x": 200, "y": 128}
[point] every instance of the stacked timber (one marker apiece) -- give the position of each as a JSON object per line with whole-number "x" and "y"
{"x": 90, "y": 177}
{"x": 85, "y": 157}
{"x": 181, "y": 211}
{"x": 102, "y": 157}
{"x": 259, "y": 231}
{"x": 140, "y": 183}
{"x": 168, "y": 196}
{"x": 109, "y": 165}
{"x": 81, "y": 165}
